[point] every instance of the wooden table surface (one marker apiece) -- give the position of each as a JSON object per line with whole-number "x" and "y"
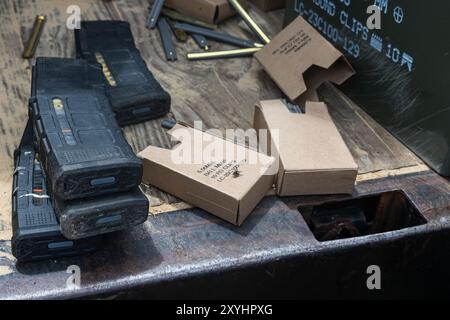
{"x": 220, "y": 93}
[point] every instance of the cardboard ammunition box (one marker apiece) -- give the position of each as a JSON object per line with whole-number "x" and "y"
{"x": 217, "y": 175}
{"x": 314, "y": 159}
{"x": 210, "y": 11}
{"x": 268, "y": 5}
{"x": 299, "y": 60}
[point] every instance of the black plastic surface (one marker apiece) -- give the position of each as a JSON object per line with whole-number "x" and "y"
{"x": 402, "y": 70}
{"x": 94, "y": 216}
{"x": 81, "y": 146}
{"x": 36, "y": 232}
{"x": 134, "y": 93}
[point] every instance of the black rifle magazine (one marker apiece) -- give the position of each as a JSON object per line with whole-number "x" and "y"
{"x": 82, "y": 148}
{"x": 36, "y": 232}
{"x": 94, "y": 216}
{"x": 135, "y": 95}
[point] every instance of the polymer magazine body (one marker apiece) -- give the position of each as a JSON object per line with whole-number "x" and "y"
{"x": 83, "y": 218}
{"x": 81, "y": 146}
{"x": 133, "y": 91}
{"x": 36, "y": 231}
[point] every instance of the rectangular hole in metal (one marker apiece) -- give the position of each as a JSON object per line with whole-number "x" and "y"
{"x": 363, "y": 216}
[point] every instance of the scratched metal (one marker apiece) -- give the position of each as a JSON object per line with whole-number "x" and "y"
{"x": 185, "y": 250}
{"x": 190, "y": 253}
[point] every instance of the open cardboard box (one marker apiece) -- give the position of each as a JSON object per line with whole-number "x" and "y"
{"x": 212, "y": 173}
{"x": 314, "y": 159}
{"x": 299, "y": 59}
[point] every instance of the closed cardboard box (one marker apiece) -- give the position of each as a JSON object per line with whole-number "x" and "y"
{"x": 210, "y": 11}
{"x": 314, "y": 159}
{"x": 217, "y": 175}
{"x": 268, "y": 5}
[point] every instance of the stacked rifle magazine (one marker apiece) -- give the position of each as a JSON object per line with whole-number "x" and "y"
{"x": 76, "y": 178}
{"x": 172, "y": 24}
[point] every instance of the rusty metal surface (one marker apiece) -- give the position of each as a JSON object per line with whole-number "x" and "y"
{"x": 190, "y": 253}
{"x": 185, "y": 250}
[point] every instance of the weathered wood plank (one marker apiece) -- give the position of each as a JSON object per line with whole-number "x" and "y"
{"x": 220, "y": 93}
{"x": 14, "y": 79}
